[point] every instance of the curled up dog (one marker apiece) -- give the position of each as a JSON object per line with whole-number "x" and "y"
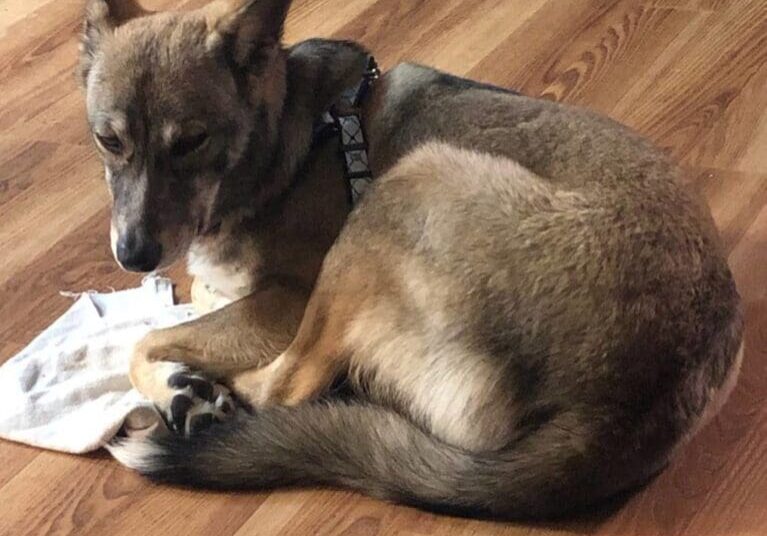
{"x": 530, "y": 313}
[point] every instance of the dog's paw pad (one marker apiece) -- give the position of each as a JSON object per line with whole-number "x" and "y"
{"x": 198, "y": 403}
{"x": 200, "y": 386}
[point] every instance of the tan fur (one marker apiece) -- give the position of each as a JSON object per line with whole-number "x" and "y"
{"x": 529, "y": 309}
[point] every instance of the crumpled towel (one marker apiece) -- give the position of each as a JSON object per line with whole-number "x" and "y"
{"x": 69, "y": 389}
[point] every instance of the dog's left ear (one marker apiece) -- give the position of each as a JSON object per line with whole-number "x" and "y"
{"x": 250, "y": 29}
{"x": 101, "y": 18}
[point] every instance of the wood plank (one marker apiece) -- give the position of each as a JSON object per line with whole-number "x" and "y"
{"x": 461, "y": 36}
{"x": 748, "y": 261}
{"x": 692, "y": 5}
{"x": 688, "y": 97}
{"x": 589, "y": 54}
{"x": 14, "y": 458}
{"x": 735, "y": 199}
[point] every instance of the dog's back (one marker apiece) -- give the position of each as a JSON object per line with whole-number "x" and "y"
{"x": 533, "y": 312}
{"x": 528, "y": 349}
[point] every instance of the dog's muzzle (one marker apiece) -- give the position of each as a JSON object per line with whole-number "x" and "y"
{"x": 138, "y": 252}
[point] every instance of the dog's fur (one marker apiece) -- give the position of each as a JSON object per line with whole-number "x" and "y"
{"x": 531, "y": 313}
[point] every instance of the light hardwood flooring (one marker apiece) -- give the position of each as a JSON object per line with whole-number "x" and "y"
{"x": 690, "y": 74}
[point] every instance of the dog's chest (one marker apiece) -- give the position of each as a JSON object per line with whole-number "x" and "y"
{"x": 233, "y": 275}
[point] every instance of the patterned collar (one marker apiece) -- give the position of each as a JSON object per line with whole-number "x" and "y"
{"x": 345, "y": 118}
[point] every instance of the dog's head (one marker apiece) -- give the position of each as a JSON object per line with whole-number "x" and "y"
{"x": 175, "y": 102}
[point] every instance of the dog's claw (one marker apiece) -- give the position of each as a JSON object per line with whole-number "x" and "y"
{"x": 198, "y": 404}
{"x": 179, "y": 408}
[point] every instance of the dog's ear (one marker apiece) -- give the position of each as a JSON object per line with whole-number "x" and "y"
{"x": 101, "y": 18}
{"x": 248, "y": 29}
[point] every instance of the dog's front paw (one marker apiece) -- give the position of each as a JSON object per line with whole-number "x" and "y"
{"x": 196, "y": 403}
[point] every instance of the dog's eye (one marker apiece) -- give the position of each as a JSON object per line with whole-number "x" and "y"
{"x": 110, "y": 143}
{"x": 188, "y": 144}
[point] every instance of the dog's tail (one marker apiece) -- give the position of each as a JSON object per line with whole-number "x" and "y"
{"x": 370, "y": 449}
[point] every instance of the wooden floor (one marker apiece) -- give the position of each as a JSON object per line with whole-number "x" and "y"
{"x": 690, "y": 74}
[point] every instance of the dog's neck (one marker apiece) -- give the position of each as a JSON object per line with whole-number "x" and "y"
{"x": 280, "y": 215}
{"x": 316, "y": 73}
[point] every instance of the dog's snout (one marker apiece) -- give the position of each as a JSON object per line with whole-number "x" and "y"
{"x": 138, "y": 252}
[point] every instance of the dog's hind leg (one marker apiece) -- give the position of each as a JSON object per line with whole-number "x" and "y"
{"x": 172, "y": 366}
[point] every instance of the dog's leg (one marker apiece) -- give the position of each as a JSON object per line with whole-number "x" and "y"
{"x": 186, "y": 400}
{"x": 168, "y": 364}
{"x": 306, "y": 369}
{"x": 247, "y": 333}
{"x": 288, "y": 380}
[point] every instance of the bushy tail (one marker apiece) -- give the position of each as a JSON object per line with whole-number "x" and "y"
{"x": 370, "y": 449}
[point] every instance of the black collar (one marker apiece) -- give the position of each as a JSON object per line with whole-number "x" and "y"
{"x": 344, "y": 119}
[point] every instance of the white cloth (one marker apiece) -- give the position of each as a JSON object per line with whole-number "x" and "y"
{"x": 69, "y": 389}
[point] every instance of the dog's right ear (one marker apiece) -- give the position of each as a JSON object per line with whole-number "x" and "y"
{"x": 101, "y": 18}
{"x": 250, "y": 30}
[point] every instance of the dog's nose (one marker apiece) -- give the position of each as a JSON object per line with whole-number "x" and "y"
{"x": 137, "y": 252}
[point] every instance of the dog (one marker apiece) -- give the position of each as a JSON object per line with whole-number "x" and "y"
{"x": 530, "y": 312}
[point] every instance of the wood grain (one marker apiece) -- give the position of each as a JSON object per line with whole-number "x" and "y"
{"x": 690, "y": 74}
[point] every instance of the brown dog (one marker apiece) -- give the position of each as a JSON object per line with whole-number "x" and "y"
{"x": 531, "y": 314}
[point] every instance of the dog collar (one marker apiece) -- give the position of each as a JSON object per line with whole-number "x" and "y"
{"x": 344, "y": 119}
